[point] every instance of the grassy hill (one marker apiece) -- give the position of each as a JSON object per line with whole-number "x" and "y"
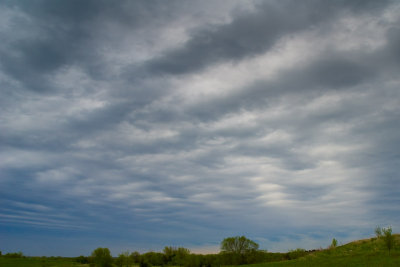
{"x": 366, "y": 252}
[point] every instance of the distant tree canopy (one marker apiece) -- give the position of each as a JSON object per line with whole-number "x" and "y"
{"x": 176, "y": 256}
{"x": 101, "y": 257}
{"x": 239, "y": 250}
{"x": 124, "y": 260}
{"x": 14, "y": 255}
{"x": 238, "y": 245}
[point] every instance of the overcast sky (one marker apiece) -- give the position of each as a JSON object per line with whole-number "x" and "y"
{"x": 135, "y": 125}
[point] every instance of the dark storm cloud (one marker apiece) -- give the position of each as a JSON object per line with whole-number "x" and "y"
{"x": 252, "y": 33}
{"x": 332, "y": 71}
{"x": 57, "y": 38}
{"x": 329, "y": 70}
{"x": 392, "y": 53}
{"x": 64, "y": 33}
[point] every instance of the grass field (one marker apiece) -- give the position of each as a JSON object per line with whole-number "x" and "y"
{"x": 39, "y": 262}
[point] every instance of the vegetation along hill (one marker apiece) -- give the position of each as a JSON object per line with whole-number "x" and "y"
{"x": 376, "y": 251}
{"x": 366, "y": 252}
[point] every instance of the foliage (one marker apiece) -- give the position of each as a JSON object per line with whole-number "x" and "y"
{"x": 101, "y": 257}
{"x": 367, "y": 252}
{"x": 388, "y": 238}
{"x": 378, "y": 232}
{"x": 211, "y": 260}
{"x": 175, "y": 256}
{"x": 144, "y": 263}
{"x": 238, "y": 245}
{"x": 82, "y": 259}
{"x": 295, "y": 254}
{"x": 237, "y": 250}
{"x": 333, "y": 244}
{"x": 14, "y": 255}
{"x": 124, "y": 260}
{"x": 135, "y": 257}
{"x": 152, "y": 258}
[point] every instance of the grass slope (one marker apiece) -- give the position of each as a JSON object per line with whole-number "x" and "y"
{"x": 367, "y": 252}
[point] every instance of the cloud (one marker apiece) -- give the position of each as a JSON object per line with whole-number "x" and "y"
{"x": 249, "y": 34}
{"x": 186, "y": 123}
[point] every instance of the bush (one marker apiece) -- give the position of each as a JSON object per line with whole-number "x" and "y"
{"x": 124, "y": 260}
{"x": 144, "y": 263}
{"x": 333, "y": 244}
{"x": 152, "y": 258}
{"x": 135, "y": 257}
{"x": 295, "y": 254}
{"x": 82, "y": 259}
{"x": 175, "y": 256}
{"x": 388, "y": 238}
{"x": 378, "y": 232}
{"x": 14, "y": 255}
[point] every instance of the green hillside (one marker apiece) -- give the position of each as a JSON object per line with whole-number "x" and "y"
{"x": 366, "y": 252}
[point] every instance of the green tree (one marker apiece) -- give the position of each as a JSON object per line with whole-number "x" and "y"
{"x": 124, "y": 260}
{"x": 334, "y": 243}
{"x": 152, "y": 258}
{"x": 378, "y": 232}
{"x": 101, "y": 257}
{"x": 82, "y": 259}
{"x": 238, "y": 245}
{"x": 176, "y": 256}
{"x": 135, "y": 257}
{"x": 168, "y": 254}
{"x": 237, "y": 249}
{"x": 388, "y": 238}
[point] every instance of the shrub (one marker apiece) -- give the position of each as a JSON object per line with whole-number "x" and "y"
{"x": 135, "y": 257}
{"x": 152, "y": 258}
{"x": 82, "y": 259}
{"x": 144, "y": 263}
{"x": 333, "y": 244}
{"x": 378, "y": 232}
{"x": 14, "y": 255}
{"x": 388, "y": 238}
{"x": 295, "y": 254}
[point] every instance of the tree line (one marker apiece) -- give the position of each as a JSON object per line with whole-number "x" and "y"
{"x": 234, "y": 251}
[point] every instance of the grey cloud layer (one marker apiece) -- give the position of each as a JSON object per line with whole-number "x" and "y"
{"x": 251, "y": 34}
{"x": 172, "y": 120}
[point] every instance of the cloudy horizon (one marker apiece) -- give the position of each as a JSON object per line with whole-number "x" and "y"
{"x": 142, "y": 124}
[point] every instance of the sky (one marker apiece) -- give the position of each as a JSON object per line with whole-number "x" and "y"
{"x": 135, "y": 125}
